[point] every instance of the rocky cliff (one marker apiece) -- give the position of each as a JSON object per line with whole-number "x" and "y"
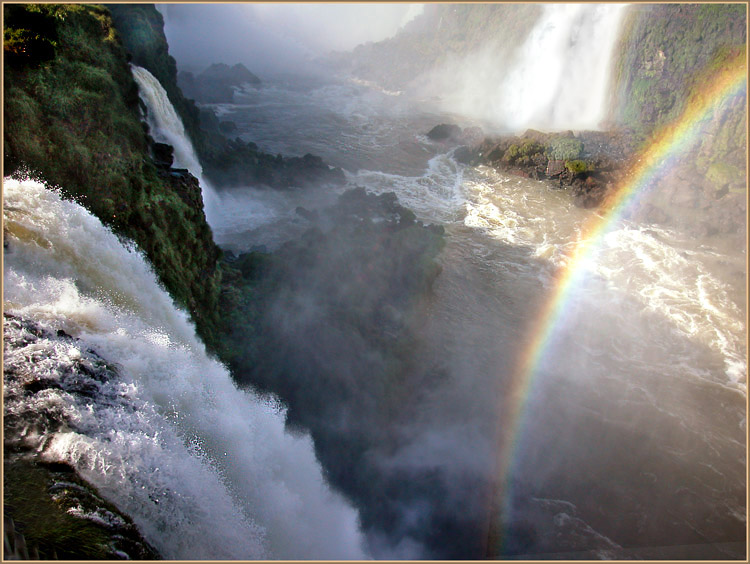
{"x": 73, "y": 118}
{"x": 226, "y": 162}
{"x": 664, "y": 54}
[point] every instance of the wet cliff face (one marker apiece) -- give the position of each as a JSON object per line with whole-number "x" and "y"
{"x": 72, "y": 117}
{"x": 665, "y": 54}
{"x": 53, "y": 513}
{"x": 660, "y": 52}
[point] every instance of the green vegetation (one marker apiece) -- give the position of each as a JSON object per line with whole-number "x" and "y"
{"x": 564, "y": 148}
{"x": 524, "y": 153}
{"x": 44, "y": 499}
{"x": 225, "y": 162}
{"x": 29, "y": 36}
{"x": 667, "y": 54}
{"x": 578, "y": 166}
{"x": 141, "y": 29}
{"x": 73, "y": 120}
{"x": 661, "y": 49}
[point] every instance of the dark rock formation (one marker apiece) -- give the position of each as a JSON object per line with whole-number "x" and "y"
{"x": 163, "y": 155}
{"x": 105, "y": 139}
{"x": 450, "y": 133}
{"x": 217, "y": 83}
{"x": 327, "y": 323}
{"x": 244, "y": 165}
{"x": 586, "y": 163}
{"x": 53, "y": 512}
{"x": 226, "y": 162}
{"x": 235, "y": 75}
{"x": 444, "y": 132}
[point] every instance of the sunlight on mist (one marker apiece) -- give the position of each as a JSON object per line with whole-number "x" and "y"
{"x": 276, "y": 36}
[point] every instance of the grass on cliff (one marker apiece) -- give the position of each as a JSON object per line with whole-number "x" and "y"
{"x": 73, "y": 119}
{"x": 46, "y": 526}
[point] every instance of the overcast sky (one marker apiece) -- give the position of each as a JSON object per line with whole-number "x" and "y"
{"x": 269, "y": 36}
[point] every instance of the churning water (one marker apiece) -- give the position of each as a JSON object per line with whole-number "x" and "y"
{"x": 206, "y": 470}
{"x": 632, "y": 441}
{"x": 644, "y": 385}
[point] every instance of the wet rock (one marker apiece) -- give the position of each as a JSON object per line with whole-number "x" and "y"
{"x": 465, "y": 155}
{"x": 163, "y": 155}
{"x": 50, "y": 510}
{"x": 216, "y": 84}
{"x": 444, "y": 132}
{"x": 555, "y": 168}
{"x": 585, "y": 163}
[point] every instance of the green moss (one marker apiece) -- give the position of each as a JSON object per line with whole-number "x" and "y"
{"x": 577, "y": 166}
{"x": 45, "y": 503}
{"x": 722, "y": 174}
{"x": 564, "y": 148}
{"x": 43, "y": 523}
{"x": 74, "y": 121}
{"x": 661, "y": 49}
{"x": 523, "y": 153}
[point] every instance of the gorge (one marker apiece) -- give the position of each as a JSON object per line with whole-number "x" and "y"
{"x": 293, "y": 326}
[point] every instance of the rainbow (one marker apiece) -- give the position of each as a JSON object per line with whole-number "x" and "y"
{"x": 661, "y": 152}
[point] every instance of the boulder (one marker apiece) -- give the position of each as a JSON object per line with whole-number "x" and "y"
{"x": 163, "y": 155}
{"x": 464, "y": 155}
{"x": 444, "y": 132}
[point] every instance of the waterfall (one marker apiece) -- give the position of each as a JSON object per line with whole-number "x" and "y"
{"x": 557, "y": 79}
{"x": 560, "y": 81}
{"x": 166, "y": 127}
{"x": 205, "y": 470}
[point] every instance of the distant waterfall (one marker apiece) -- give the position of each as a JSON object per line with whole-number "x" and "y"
{"x": 561, "y": 78}
{"x": 207, "y": 471}
{"x": 557, "y": 79}
{"x": 166, "y": 127}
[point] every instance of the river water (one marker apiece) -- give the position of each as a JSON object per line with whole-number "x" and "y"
{"x": 631, "y": 441}
{"x": 631, "y": 437}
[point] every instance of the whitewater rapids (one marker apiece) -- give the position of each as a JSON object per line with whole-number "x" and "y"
{"x": 206, "y": 470}
{"x": 641, "y": 398}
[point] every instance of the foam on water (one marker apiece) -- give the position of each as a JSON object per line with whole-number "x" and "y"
{"x": 435, "y": 196}
{"x": 206, "y": 470}
{"x": 690, "y": 285}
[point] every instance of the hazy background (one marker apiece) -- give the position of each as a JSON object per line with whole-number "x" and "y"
{"x": 275, "y": 37}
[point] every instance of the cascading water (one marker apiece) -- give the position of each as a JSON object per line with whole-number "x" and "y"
{"x": 561, "y": 77}
{"x": 557, "y": 79}
{"x": 636, "y": 423}
{"x": 205, "y": 470}
{"x": 635, "y": 431}
{"x": 166, "y": 127}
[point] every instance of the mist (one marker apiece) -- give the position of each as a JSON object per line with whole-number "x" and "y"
{"x": 275, "y": 37}
{"x": 516, "y": 83}
{"x": 373, "y": 397}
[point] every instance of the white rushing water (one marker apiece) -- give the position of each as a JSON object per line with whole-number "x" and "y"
{"x": 205, "y": 469}
{"x": 166, "y": 127}
{"x": 557, "y": 79}
{"x": 637, "y": 413}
